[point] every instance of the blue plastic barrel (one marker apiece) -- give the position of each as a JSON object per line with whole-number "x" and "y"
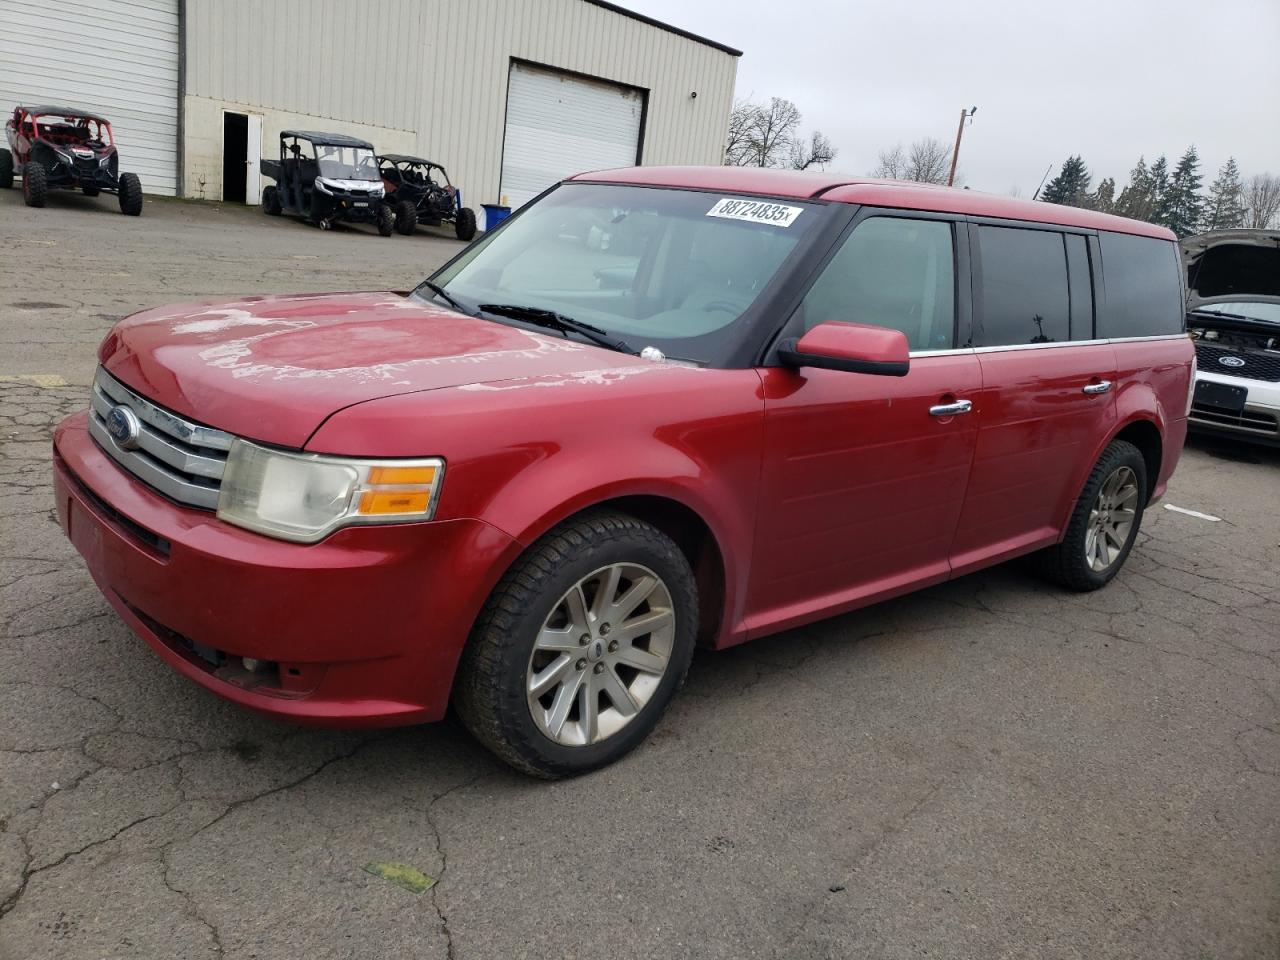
{"x": 494, "y": 214}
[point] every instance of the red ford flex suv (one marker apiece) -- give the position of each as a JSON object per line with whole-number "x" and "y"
{"x": 658, "y": 407}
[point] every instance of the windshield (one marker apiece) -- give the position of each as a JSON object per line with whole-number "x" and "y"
{"x": 675, "y": 269}
{"x": 346, "y": 163}
{"x": 1255, "y": 311}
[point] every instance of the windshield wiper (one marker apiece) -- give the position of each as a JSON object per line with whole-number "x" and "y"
{"x": 448, "y": 298}
{"x": 557, "y": 321}
{"x": 1204, "y": 312}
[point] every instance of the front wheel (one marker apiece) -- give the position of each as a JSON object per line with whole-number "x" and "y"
{"x": 464, "y": 226}
{"x": 6, "y": 169}
{"x": 130, "y": 194}
{"x": 1104, "y": 523}
{"x": 386, "y": 221}
{"x": 35, "y": 184}
{"x": 580, "y": 647}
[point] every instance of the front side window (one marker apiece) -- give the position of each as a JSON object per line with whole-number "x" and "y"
{"x": 675, "y": 269}
{"x": 891, "y": 272}
{"x": 1023, "y": 287}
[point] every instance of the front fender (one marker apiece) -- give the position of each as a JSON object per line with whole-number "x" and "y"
{"x": 523, "y": 455}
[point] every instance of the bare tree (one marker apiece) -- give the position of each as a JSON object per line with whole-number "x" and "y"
{"x": 765, "y": 135}
{"x": 892, "y": 164}
{"x": 1262, "y": 201}
{"x": 926, "y": 161}
{"x": 817, "y": 151}
{"x": 742, "y": 120}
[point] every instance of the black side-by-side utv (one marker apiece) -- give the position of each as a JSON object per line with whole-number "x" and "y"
{"x": 326, "y": 178}
{"x": 63, "y": 148}
{"x": 419, "y": 191}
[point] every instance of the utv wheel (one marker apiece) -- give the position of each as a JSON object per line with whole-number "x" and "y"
{"x": 271, "y": 202}
{"x": 386, "y": 221}
{"x": 6, "y": 169}
{"x": 1104, "y": 524}
{"x": 581, "y": 646}
{"x": 130, "y": 194}
{"x": 406, "y": 217}
{"x": 90, "y": 189}
{"x": 465, "y": 224}
{"x": 35, "y": 184}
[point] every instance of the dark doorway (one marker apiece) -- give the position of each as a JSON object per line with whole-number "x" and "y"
{"x": 235, "y": 150}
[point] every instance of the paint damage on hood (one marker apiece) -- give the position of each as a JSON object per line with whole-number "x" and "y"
{"x": 274, "y": 368}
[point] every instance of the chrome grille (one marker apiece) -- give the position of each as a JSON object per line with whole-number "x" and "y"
{"x": 178, "y": 458}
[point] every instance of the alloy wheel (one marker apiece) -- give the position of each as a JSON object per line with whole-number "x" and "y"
{"x": 601, "y": 654}
{"x": 1111, "y": 519}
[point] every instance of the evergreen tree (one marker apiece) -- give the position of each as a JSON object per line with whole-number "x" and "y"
{"x": 1159, "y": 192}
{"x": 1137, "y": 200}
{"x": 1071, "y": 186}
{"x": 1104, "y": 198}
{"x": 1184, "y": 207}
{"x": 1226, "y": 199}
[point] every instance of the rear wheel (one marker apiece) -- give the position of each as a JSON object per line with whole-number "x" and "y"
{"x": 271, "y": 202}
{"x": 580, "y": 647}
{"x": 130, "y": 194}
{"x": 6, "y": 169}
{"x": 406, "y": 217}
{"x": 386, "y": 220}
{"x": 464, "y": 227}
{"x": 1104, "y": 523}
{"x": 35, "y": 184}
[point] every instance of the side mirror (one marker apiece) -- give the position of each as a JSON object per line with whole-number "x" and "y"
{"x": 852, "y": 347}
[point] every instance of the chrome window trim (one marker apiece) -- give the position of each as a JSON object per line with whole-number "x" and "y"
{"x": 1004, "y": 348}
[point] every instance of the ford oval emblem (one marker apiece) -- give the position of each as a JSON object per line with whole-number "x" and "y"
{"x": 123, "y": 425}
{"x": 1230, "y": 361}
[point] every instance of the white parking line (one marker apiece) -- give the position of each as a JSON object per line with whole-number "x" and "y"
{"x": 1192, "y": 513}
{"x": 46, "y": 380}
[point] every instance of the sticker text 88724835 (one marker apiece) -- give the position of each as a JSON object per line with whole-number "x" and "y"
{"x": 755, "y": 211}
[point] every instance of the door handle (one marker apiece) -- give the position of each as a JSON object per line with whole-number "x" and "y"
{"x": 1093, "y": 389}
{"x": 951, "y": 409}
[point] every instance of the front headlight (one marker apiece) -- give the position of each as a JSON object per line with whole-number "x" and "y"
{"x": 305, "y": 497}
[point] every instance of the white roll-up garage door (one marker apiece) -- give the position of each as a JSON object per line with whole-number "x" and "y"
{"x": 559, "y": 124}
{"x": 114, "y": 57}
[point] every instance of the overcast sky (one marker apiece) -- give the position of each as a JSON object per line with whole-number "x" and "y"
{"x": 1108, "y": 79}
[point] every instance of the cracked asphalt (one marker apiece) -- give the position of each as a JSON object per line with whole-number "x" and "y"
{"x": 990, "y": 768}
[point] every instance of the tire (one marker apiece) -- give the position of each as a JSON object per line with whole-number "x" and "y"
{"x": 35, "y": 184}
{"x": 502, "y": 655}
{"x": 1078, "y": 562}
{"x": 130, "y": 194}
{"x": 465, "y": 224}
{"x": 406, "y": 218}
{"x": 90, "y": 189}
{"x": 271, "y": 202}
{"x": 6, "y": 169}
{"x": 386, "y": 220}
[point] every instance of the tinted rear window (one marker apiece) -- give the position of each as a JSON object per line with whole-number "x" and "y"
{"x": 1024, "y": 287}
{"x": 1144, "y": 290}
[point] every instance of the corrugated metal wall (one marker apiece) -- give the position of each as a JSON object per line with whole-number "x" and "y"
{"x": 438, "y": 70}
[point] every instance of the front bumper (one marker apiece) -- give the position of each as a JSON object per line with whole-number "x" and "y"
{"x": 1258, "y": 422}
{"x": 363, "y": 629}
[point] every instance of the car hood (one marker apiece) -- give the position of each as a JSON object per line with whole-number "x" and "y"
{"x": 274, "y": 368}
{"x": 1232, "y": 265}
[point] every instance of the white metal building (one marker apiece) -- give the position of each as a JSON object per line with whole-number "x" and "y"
{"x": 509, "y": 95}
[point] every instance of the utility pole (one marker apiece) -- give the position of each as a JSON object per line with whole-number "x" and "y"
{"x": 955, "y": 154}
